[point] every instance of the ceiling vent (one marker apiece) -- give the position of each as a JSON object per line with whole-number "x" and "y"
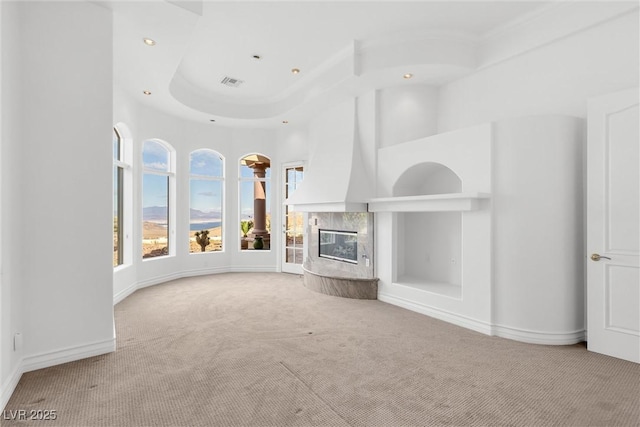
{"x": 230, "y": 81}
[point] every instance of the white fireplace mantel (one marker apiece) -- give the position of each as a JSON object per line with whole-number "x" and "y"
{"x": 452, "y": 202}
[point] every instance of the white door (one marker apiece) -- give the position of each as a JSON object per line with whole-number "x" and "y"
{"x": 613, "y": 232}
{"x": 293, "y": 243}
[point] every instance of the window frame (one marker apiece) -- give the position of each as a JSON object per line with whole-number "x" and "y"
{"x": 268, "y": 195}
{"x": 125, "y": 211}
{"x": 170, "y": 173}
{"x": 221, "y": 179}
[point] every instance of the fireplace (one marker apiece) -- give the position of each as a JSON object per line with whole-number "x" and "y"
{"x": 339, "y": 258}
{"x": 338, "y": 245}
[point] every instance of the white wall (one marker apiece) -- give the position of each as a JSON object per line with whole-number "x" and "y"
{"x": 432, "y": 246}
{"x": 292, "y": 143}
{"x": 409, "y": 112}
{"x": 331, "y": 146}
{"x": 60, "y": 298}
{"x": 11, "y": 289}
{"x": 467, "y": 152}
{"x": 145, "y": 123}
{"x": 56, "y": 184}
{"x": 368, "y": 135}
{"x": 66, "y": 189}
{"x": 537, "y": 202}
{"x": 2, "y": 289}
{"x": 556, "y": 78}
{"x": 427, "y": 178}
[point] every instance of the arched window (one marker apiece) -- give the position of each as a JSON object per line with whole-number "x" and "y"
{"x": 255, "y": 207}
{"x": 206, "y": 188}
{"x": 122, "y": 195}
{"x": 157, "y": 196}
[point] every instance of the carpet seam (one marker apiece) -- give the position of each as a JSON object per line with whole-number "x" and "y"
{"x": 296, "y": 376}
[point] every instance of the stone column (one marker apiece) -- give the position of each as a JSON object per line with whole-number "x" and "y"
{"x": 259, "y": 165}
{"x": 259, "y": 200}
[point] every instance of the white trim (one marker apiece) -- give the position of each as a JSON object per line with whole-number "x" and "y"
{"x": 159, "y": 172}
{"x": 506, "y": 29}
{"x": 124, "y": 293}
{"x": 121, "y": 164}
{"x": 205, "y": 177}
{"x": 253, "y": 269}
{"x": 10, "y": 385}
{"x": 419, "y": 35}
{"x": 283, "y": 266}
{"x": 516, "y": 334}
{"x": 329, "y": 206}
{"x": 541, "y": 16}
{"x": 69, "y": 354}
{"x": 452, "y": 202}
{"x": 544, "y": 26}
{"x": 445, "y": 315}
{"x": 52, "y": 358}
{"x": 158, "y": 280}
{"x": 204, "y": 271}
{"x": 538, "y": 337}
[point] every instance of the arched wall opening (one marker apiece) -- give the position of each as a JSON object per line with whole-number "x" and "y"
{"x": 429, "y": 244}
{"x": 427, "y": 178}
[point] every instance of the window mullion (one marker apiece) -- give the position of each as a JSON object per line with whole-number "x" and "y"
{"x": 121, "y": 164}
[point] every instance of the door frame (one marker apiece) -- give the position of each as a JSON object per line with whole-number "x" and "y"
{"x": 604, "y": 336}
{"x": 286, "y": 267}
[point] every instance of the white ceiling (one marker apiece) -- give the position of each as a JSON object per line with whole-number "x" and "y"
{"x": 327, "y": 41}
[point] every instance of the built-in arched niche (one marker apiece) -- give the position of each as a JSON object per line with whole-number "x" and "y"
{"x": 429, "y": 254}
{"x": 427, "y": 178}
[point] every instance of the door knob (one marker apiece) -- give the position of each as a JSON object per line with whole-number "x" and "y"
{"x": 597, "y": 257}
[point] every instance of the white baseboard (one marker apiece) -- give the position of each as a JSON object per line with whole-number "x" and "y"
{"x": 124, "y": 293}
{"x": 191, "y": 273}
{"x": 69, "y": 354}
{"x": 120, "y": 296}
{"x": 230, "y": 269}
{"x": 447, "y": 316}
{"x": 10, "y": 385}
{"x": 516, "y": 334}
{"x": 158, "y": 280}
{"x": 538, "y": 337}
{"x": 252, "y": 269}
{"x": 205, "y": 271}
{"x": 52, "y": 358}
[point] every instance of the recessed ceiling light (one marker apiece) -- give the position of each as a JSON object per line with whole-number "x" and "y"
{"x": 408, "y": 76}
{"x": 146, "y": 92}
{"x": 285, "y": 121}
{"x": 149, "y": 42}
{"x": 257, "y": 57}
{"x": 295, "y": 70}
{"x": 212, "y": 120}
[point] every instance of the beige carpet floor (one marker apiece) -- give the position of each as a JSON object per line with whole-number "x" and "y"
{"x": 262, "y": 350}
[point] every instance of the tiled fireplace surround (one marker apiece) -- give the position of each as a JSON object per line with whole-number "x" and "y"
{"x": 340, "y": 278}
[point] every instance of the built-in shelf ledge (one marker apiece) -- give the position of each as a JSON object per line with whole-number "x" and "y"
{"x": 440, "y": 288}
{"x": 328, "y": 206}
{"x": 430, "y": 203}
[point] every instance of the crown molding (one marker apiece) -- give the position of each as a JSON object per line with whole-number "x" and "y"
{"x": 546, "y": 25}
